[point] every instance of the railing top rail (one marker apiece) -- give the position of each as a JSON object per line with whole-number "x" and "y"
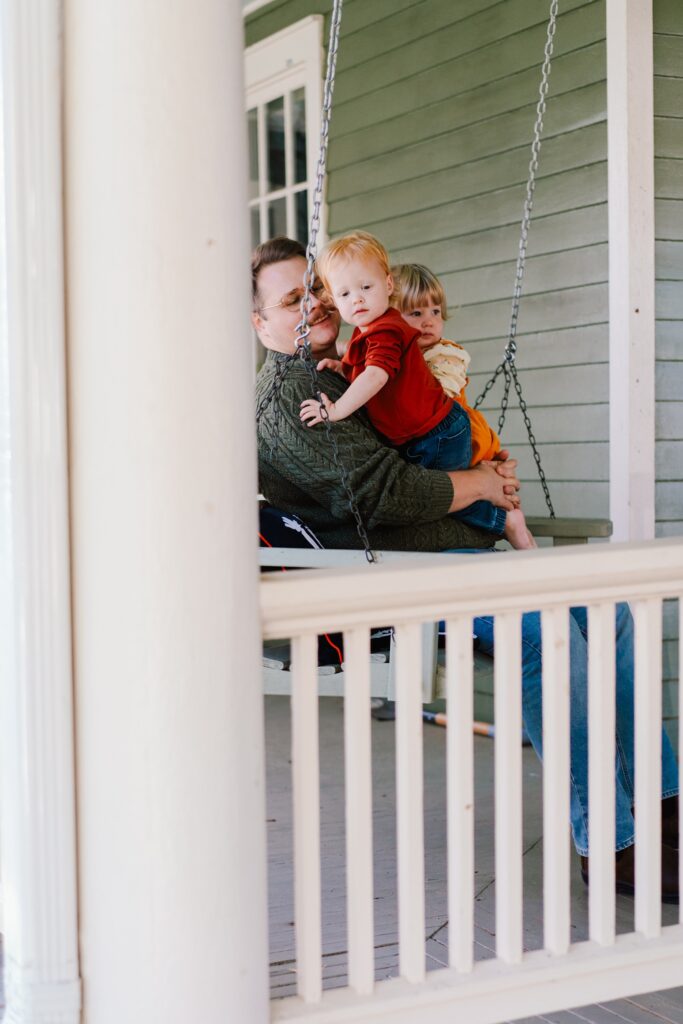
{"x": 439, "y": 586}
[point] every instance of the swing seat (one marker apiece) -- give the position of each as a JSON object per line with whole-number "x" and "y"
{"x": 331, "y": 677}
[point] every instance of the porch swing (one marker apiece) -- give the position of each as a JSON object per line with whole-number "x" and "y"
{"x": 560, "y": 530}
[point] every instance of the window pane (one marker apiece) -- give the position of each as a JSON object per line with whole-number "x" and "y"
{"x": 275, "y": 134}
{"x": 301, "y": 201}
{"x": 255, "y": 226}
{"x": 299, "y": 131}
{"x": 252, "y": 122}
{"x": 277, "y": 217}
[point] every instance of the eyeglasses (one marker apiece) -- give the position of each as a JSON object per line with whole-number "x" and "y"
{"x": 291, "y": 302}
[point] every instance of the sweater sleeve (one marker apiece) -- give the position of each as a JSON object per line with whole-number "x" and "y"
{"x": 387, "y": 489}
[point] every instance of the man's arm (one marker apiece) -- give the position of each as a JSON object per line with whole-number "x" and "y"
{"x": 389, "y": 491}
{"x": 485, "y": 483}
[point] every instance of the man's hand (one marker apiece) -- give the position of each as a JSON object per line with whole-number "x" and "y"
{"x": 311, "y": 411}
{"x": 485, "y": 483}
{"x": 506, "y": 467}
{"x": 331, "y": 364}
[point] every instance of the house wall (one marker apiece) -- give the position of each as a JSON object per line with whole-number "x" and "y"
{"x": 668, "y": 52}
{"x": 434, "y": 108}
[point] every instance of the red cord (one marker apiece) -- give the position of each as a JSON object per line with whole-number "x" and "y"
{"x": 330, "y": 642}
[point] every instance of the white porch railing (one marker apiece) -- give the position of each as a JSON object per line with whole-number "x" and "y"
{"x": 514, "y": 983}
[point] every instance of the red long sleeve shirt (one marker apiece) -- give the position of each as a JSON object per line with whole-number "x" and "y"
{"x": 412, "y": 402}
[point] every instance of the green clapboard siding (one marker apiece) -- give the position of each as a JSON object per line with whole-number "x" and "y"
{"x": 433, "y": 113}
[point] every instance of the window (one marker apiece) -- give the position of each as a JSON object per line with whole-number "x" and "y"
{"x": 283, "y": 87}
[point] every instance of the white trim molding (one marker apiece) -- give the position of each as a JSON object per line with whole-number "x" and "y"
{"x": 36, "y": 726}
{"x": 276, "y": 66}
{"x": 255, "y": 5}
{"x": 630, "y": 130}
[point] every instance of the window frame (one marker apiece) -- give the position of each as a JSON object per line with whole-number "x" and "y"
{"x": 277, "y": 66}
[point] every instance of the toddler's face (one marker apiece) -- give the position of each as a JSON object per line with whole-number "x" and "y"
{"x": 361, "y": 290}
{"x": 428, "y": 321}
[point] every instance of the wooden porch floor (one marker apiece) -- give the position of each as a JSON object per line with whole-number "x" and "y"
{"x": 648, "y": 1009}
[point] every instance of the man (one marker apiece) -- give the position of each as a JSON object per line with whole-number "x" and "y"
{"x": 406, "y": 508}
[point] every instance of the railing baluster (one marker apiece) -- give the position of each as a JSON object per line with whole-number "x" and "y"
{"x": 508, "y": 786}
{"x": 409, "y": 785}
{"x": 601, "y": 761}
{"x": 460, "y": 776}
{"x": 648, "y": 782}
{"x": 306, "y": 810}
{"x": 556, "y": 916}
{"x": 358, "y": 789}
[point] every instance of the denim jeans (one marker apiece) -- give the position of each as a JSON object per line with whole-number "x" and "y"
{"x": 532, "y": 715}
{"x": 448, "y": 446}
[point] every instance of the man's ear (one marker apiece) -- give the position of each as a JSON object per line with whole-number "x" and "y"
{"x": 257, "y": 322}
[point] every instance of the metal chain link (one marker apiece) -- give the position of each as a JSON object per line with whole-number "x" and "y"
{"x": 303, "y": 328}
{"x": 507, "y": 367}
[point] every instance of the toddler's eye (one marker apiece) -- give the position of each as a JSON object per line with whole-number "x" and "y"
{"x": 366, "y": 287}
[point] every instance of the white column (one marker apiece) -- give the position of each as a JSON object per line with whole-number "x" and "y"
{"x": 630, "y": 124}
{"x": 36, "y": 731}
{"x": 163, "y": 487}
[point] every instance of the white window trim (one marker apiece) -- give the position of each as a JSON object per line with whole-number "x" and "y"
{"x": 289, "y": 60}
{"x": 255, "y": 5}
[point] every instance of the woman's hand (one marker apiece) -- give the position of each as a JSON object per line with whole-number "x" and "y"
{"x": 311, "y": 411}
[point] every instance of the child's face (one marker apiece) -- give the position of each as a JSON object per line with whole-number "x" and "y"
{"x": 360, "y": 290}
{"x": 428, "y": 321}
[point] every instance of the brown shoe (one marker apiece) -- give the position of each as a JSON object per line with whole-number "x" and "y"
{"x": 670, "y": 831}
{"x": 625, "y": 872}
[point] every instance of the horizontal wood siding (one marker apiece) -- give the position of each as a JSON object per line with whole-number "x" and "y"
{"x": 668, "y": 55}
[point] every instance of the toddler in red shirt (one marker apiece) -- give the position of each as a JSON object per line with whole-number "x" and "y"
{"x": 388, "y": 375}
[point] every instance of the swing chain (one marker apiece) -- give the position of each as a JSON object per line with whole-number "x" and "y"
{"x": 511, "y": 348}
{"x": 273, "y": 396}
{"x": 338, "y": 461}
{"x": 508, "y": 366}
{"x": 532, "y": 439}
{"x": 302, "y": 328}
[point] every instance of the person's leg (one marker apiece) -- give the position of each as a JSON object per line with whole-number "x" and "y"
{"x": 625, "y": 745}
{"x": 448, "y": 446}
{"x": 532, "y": 704}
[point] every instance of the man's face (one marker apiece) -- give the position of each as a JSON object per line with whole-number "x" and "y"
{"x": 280, "y": 287}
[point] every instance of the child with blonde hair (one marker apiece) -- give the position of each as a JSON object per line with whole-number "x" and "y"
{"x": 389, "y": 376}
{"x": 420, "y": 299}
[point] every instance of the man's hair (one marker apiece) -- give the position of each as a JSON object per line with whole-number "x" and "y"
{"x": 275, "y": 250}
{"x": 415, "y": 286}
{"x": 355, "y": 245}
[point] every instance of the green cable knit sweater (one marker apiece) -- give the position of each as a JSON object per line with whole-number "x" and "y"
{"x": 404, "y": 507}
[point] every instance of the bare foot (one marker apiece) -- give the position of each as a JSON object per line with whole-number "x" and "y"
{"x": 516, "y": 531}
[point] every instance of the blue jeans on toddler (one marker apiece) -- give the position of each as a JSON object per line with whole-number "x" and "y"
{"x": 448, "y": 446}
